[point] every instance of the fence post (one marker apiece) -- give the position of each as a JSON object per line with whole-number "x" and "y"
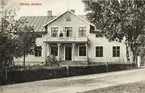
{"x": 107, "y": 66}
{"x": 6, "y": 74}
{"x": 138, "y": 61}
{"x": 67, "y": 67}
{"x": 5, "y": 71}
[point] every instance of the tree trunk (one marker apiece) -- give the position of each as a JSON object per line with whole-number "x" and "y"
{"x": 6, "y": 73}
{"x": 24, "y": 59}
{"x": 129, "y": 54}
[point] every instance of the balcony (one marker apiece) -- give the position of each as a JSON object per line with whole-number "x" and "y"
{"x": 67, "y": 39}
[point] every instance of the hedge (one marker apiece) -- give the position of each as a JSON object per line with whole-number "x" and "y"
{"x": 28, "y": 75}
{"x": 35, "y": 74}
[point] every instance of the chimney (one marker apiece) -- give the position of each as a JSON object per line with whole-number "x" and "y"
{"x": 49, "y": 13}
{"x": 72, "y": 10}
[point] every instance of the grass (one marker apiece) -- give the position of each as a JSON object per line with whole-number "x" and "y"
{"x": 138, "y": 87}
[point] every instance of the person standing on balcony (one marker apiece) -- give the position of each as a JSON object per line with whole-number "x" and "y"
{"x": 61, "y": 34}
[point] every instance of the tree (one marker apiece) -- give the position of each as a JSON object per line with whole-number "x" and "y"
{"x": 25, "y": 40}
{"x": 6, "y": 38}
{"x": 118, "y": 19}
{"x": 17, "y": 39}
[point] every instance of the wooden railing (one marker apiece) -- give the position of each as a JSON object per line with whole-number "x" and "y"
{"x": 66, "y": 39}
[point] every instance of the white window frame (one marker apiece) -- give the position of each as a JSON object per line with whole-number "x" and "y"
{"x": 79, "y": 49}
{"x": 53, "y": 32}
{"x": 116, "y": 50}
{"x": 102, "y": 51}
{"x": 83, "y": 32}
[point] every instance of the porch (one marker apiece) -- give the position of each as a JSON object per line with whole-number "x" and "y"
{"x": 67, "y": 49}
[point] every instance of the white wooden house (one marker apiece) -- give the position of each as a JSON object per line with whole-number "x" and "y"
{"x": 71, "y": 38}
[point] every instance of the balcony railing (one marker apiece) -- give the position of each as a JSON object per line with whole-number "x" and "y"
{"x": 67, "y": 39}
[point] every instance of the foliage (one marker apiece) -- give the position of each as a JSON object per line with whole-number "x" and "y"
{"x": 25, "y": 39}
{"x": 6, "y": 48}
{"x": 16, "y": 38}
{"x": 51, "y": 60}
{"x": 118, "y": 19}
{"x": 6, "y": 38}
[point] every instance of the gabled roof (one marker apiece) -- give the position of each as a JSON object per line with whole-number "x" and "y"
{"x": 37, "y": 22}
{"x": 80, "y": 17}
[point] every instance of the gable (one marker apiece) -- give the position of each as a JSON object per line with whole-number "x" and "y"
{"x": 39, "y": 22}
{"x": 68, "y": 15}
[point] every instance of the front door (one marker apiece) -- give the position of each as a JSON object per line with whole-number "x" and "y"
{"x": 68, "y": 53}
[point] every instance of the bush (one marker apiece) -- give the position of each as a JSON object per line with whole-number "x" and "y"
{"x": 27, "y": 75}
{"x": 35, "y": 74}
{"x": 51, "y": 60}
{"x": 84, "y": 70}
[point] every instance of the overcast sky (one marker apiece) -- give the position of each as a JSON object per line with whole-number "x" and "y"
{"x": 57, "y": 7}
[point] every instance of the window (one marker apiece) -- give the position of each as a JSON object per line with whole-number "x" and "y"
{"x": 38, "y": 35}
{"x": 68, "y": 31}
{"x": 99, "y": 51}
{"x": 38, "y": 50}
{"x": 54, "y": 50}
{"x": 116, "y": 51}
{"x": 68, "y": 19}
{"x": 99, "y": 34}
{"x": 54, "y": 31}
{"x": 82, "y": 50}
{"x": 82, "y": 31}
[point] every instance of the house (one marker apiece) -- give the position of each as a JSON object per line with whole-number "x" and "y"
{"x": 71, "y": 38}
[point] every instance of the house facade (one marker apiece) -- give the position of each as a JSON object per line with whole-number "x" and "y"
{"x": 71, "y": 38}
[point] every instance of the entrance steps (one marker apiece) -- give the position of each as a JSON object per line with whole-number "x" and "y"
{"x": 73, "y": 63}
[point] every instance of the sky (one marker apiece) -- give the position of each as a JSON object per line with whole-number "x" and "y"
{"x": 56, "y": 6}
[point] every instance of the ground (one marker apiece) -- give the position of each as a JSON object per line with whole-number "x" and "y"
{"x": 95, "y": 83}
{"x": 138, "y": 87}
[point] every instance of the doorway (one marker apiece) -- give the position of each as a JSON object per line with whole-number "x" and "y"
{"x": 68, "y": 53}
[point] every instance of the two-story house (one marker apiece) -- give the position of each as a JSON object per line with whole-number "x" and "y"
{"x": 71, "y": 38}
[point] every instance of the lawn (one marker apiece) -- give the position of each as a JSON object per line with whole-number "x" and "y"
{"x": 138, "y": 87}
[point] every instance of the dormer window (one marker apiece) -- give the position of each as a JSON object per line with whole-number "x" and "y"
{"x": 68, "y": 19}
